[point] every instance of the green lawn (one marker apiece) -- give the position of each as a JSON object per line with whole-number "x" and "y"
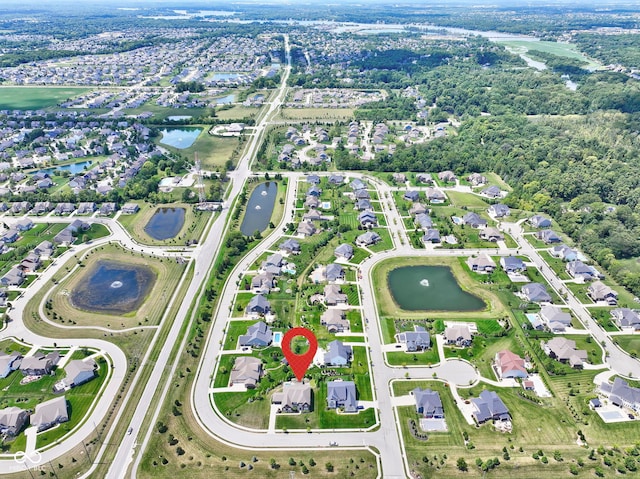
{"x": 402, "y": 358}
{"x": 36, "y": 98}
{"x": 460, "y": 200}
{"x": 560, "y": 49}
{"x": 630, "y": 344}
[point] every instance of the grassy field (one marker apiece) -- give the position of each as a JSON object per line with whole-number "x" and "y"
{"x": 168, "y": 274}
{"x": 630, "y": 344}
{"x": 194, "y": 224}
{"x": 36, "y": 98}
{"x": 466, "y": 199}
{"x": 316, "y": 113}
{"x": 388, "y": 307}
{"x": 213, "y": 151}
{"x": 559, "y": 49}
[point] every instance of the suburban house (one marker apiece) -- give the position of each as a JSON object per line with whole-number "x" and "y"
{"x": 476, "y": 179}
{"x": 428, "y": 403}
{"x": 535, "y": 292}
{"x": 423, "y": 220}
{"x": 564, "y": 252}
{"x": 314, "y": 191}
{"x": 367, "y": 239}
{"x": 447, "y": 176}
{"x": 313, "y": 179}
{"x": 548, "y": 236}
{"x": 258, "y": 305}
{"x": 368, "y": 219}
{"x": 337, "y": 354}
{"x": 10, "y": 236}
{"x": 313, "y": 215}
{"x": 417, "y": 208}
{"x": 335, "y": 321}
{"x": 64, "y": 209}
{"x": 336, "y": 179}
{"x": 431, "y": 235}
{"x": 509, "y": 365}
{"x": 625, "y": 318}
{"x": 39, "y": 364}
{"x": 9, "y": 362}
{"x": 24, "y": 224}
{"x": 621, "y": 394}
{"x": 564, "y": 350}
{"x": 539, "y": 221}
{"x": 333, "y": 295}
{"x": 344, "y": 251}
{"x": 474, "y": 220}
{"x": 342, "y": 394}
{"x": 334, "y": 272}
{"x": 491, "y": 192}
{"x": 64, "y": 238}
{"x": 263, "y": 283}
{"x": 79, "y": 372}
{"x": 107, "y": 209}
{"x": 361, "y": 195}
{"x": 458, "y": 335}
{"x": 491, "y": 234}
{"x": 481, "y": 263}
{"x": 555, "y": 319}
{"x": 357, "y": 184}
{"x": 15, "y": 277}
{"x": 130, "y": 208}
{"x": 44, "y": 249}
{"x": 399, "y": 177}
{"x": 363, "y": 204}
{"x": 488, "y": 406}
{"x": 311, "y": 202}
{"x": 306, "y": 229}
{"x": 246, "y": 370}
{"x": 412, "y": 195}
{"x": 12, "y": 420}
{"x": 50, "y": 413}
{"x": 499, "y": 210}
{"x": 258, "y": 335}
{"x": 294, "y": 398}
{"x": 86, "y": 208}
{"x": 512, "y": 264}
{"x": 30, "y": 263}
{"x": 598, "y": 291}
{"x": 416, "y": 340}
{"x": 290, "y": 246}
{"x": 435, "y": 196}
{"x": 577, "y": 269}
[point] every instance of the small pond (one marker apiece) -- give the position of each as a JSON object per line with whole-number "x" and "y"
{"x": 430, "y": 288}
{"x": 225, "y": 76}
{"x": 225, "y": 100}
{"x": 113, "y": 287}
{"x": 259, "y": 208}
{"x": 180, "y": 138}
{"x": 165, "y": 223}
{"x": 73, "y": 168}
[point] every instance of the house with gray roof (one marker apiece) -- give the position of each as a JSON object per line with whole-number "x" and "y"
{"x": 357, "y": 184}
{"x": 64, "y": 238}
{"x": 447, "y": 176}
{"x": 428, "y": 403}
{"x": 474, "y": 220}
{"x": 130, "y": 208}
{"x": 44, "y": 249}
{"x": 65, "y": 208}
{"x": 39, "y": 364}
{"x": 79, "y": 371}
{"x": 333, "y": 295}
{"x": 294, "y": 398}
{"x": 564, "y": 350}
{"x": 548, "y": 236}
{"x": 15, "y": 277}
{"x": 246, "y": 370}
{"x": 535, "y": 292}
{"x": 476, "y": 179}
{"x": 598, "y": 291}
{"x": 412, "y": 195}
{"x": 416, "y": 340}
{"x": 306, "y": 228}
{"x": 363, "y": 204}
{"x": 555, "y": 319}
{"x": 481, "y": 263}
{"x": 335, "y": 321}
{"x": 258, "y": 335}
{"x": 259, "y": 305}
{"x": 539, "y": 221}
{"x": 342, "y": 395}
{"x": 434, "y": 195}
{"x": 564, "y": 252}
{"x": 621, "y": 394}
{"x": 344, "y": 251}
{"x": 337, "y": 354}
{"x": 9, "y": 362}
{"x": 491, "y": 192}
{"x": 50, "y": 413}
{"x": 577, "y": 269}
{"x": 417, "y": 208}
{"x": 311, "y": 202}
{"x": 12, "y": 420}
{"x": 423, "y": 221}
{"x": 512, "y": 264}
{"x": 290, "y": 246}
{"x": 499, "y": 210}
{"x": 488, "y": 406}
{"x": 263, "y": 283}
{"x": 24, "y": 224}
{"x": 368, "y": 219}
{"x": 431, "y": 235}
{"x": 491, "y": 234}
{"x": 314, "y": 191}
{"x": 367, "y": 239}
{"x": 107, "y": 209}
{"x": 334, "y": 272}
{"x": 313, "y": 179}
{"x": 458, "y": 335}
{"x": 10, "y": 236}
{"x": 336, "y": 179}
{"x": 625, "y": 318}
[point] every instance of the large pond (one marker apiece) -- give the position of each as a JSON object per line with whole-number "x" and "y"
{"x": 113, "y": 287}
{"x": 73, "y": 168}
{"x": 180, "y": 138}
{"x": 259, "y": 208}
{"x": 225, "y": 100}
{"x": 430, "y": 288}
{"x": 165, "y": 223}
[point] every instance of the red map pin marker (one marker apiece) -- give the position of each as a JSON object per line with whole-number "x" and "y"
{"x": 299, "y": 362}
